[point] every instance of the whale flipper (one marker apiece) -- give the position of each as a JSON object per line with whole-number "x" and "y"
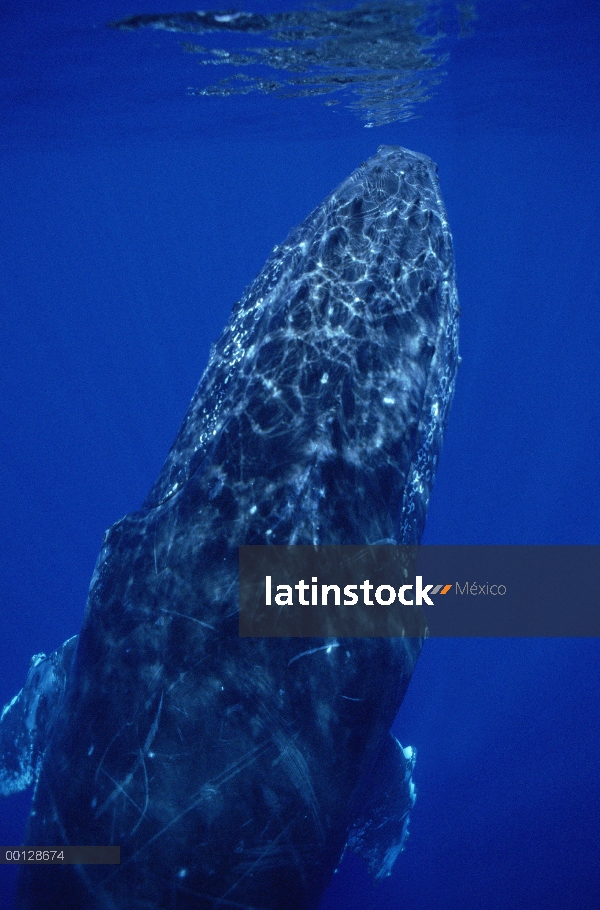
{"x": 232, "y": 771}
{"x": 380, "y": 828}
{"x": 26, "y": 723}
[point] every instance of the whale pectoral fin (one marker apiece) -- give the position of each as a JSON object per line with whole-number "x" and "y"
{"x": 379, "y": 833}
{"x": 26, "y": 722}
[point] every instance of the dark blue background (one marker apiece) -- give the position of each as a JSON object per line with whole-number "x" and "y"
{"x": 132, "y": 217}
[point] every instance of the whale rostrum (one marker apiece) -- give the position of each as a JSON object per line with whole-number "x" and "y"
{"x": 234, "y": 772}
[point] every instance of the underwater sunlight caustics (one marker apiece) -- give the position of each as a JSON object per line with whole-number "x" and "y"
{"x": 235, "y": 772}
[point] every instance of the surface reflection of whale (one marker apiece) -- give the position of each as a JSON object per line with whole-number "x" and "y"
{"x": 233, "y": 772}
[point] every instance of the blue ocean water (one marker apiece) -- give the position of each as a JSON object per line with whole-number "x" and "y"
{"x": 133, "y": 215}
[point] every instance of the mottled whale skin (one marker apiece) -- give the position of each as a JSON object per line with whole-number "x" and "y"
{"x": 234, "y": 772}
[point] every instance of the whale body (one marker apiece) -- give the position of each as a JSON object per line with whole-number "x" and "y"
{"x": 234, "y": 772}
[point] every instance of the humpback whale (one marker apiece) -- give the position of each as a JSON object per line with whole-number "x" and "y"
{"x": 234, "y": 772}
